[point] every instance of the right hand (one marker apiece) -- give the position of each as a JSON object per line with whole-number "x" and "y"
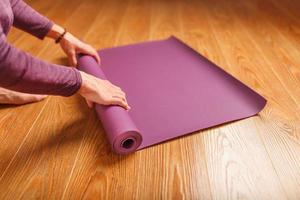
{"x": 96, "y": 90}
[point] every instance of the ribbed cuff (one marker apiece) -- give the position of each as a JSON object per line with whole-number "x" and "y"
{"x": 45, "y": 30}
{"x": 78, "y": 81}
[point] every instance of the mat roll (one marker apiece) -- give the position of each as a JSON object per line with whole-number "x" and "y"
{"x": 172, "y": 91}
{"x": 123, "y": 135}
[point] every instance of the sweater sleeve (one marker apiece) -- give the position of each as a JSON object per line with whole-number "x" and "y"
{"x": 21, "y": 72}
{"x": 29, "y": 20}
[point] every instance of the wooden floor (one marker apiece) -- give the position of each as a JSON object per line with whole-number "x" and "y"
{"x": 56, "y": 149}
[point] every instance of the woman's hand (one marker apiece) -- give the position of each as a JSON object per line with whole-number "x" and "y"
{"x": 100, "y": 91}
{"x": 94, "y": 90}
{"x": 72, "y": 45}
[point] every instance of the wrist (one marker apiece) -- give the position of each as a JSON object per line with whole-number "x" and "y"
{"x": 84, "y": 82}
{"x": 55, "y": 31}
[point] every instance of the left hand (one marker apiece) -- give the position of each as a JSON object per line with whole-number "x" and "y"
{"x": 72, "y": 46}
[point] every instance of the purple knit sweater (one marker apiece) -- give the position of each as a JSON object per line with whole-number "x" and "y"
{"x": 21, "y": 72}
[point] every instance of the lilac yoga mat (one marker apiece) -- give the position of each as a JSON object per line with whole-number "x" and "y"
{"x": 172, "y": 91}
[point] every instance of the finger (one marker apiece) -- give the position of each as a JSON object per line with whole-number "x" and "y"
{"x": 122, "y": 98}
{"x": 121, "y": 102}
{"x": 95, "y": 54}
{"x": 74, "y": 59}
{"x": 97, "y": 57}
{"x": 33, "y": 98}
{"x": 116, "y": 88}
{"x": 40, "y": 97}
{"x": 70, "y": 61}
{"x": 119, "y": 92}
{"x": 124, "y": 101}
{"x": 119, "y": 95}
{"x": 90, "y": 51}
{"x": 89, "y": 103}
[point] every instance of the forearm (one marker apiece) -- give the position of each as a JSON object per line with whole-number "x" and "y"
{"x": 29, "y": 20}
{"x": 22, "y": 72}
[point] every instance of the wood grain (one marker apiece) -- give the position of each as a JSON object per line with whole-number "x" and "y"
{"x": 57, "y": 149}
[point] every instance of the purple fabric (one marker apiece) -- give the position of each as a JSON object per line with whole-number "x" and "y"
{"x": 172, "y": 91}
{"x": 22, "y": 72}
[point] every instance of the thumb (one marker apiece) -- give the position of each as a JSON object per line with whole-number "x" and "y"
{"x": 89, "y": 103}
{"x": 72, "y": 59}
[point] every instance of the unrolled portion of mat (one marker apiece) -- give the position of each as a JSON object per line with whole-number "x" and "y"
{"x": 172, "y": 91}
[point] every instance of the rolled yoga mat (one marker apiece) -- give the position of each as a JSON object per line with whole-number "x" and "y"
{"x": 172, "y": 91}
